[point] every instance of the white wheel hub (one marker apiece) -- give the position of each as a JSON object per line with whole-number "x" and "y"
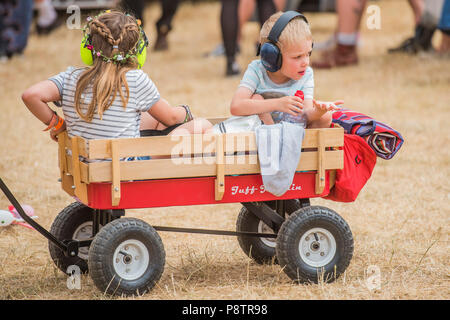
{"x": 317, "y": 247}
{"x": 83, "y": 232}
{"x": 264, "y": 228}
{"x": 131, "y": 259}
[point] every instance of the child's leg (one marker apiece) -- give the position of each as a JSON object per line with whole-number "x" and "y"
{"x": 266, "y": 118}
{"x": 323, "y": 122}
{"x": 198, "y": 125}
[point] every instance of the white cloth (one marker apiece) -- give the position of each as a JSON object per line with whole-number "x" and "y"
{"x": 279, "y": 150}
{"x": 237, "y": 124}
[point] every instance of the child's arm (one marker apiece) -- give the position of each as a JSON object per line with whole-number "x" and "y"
{"x": 36, "y": 98}
{"x": 242, "y": 104}
{"x": 166, "y": 114}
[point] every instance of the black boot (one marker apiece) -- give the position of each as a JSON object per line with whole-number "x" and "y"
{"x": 420, "y": 42}
{"x": 232, "y": 68}
{"x": 424, "y": 35}
{"x": 161, "y": 43}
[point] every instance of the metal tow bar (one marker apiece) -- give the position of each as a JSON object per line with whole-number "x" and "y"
{"x": 69, "y": 249}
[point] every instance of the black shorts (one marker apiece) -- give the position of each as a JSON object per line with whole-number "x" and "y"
{"x": 154, "y": 132}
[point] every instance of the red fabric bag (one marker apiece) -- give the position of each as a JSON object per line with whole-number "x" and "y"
{"x": 359, "y": 161}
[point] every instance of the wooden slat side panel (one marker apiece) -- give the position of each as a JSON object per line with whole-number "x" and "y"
{"x": 83, "y": 169}
{"x": 82, "y": 147}
{"x": 332, "y": 137}
{"x": 194, "y": 144}
{"x": 201, "y": 167}
{"x": 154, "y": 146}
{"x": 66, "y": 179}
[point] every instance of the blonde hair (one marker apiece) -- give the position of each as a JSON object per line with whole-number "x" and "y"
{"x": 111, "y": 33}
{"x": 296, "y": 30}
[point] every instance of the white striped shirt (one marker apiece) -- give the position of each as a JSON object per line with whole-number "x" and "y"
{"x": 117, "y": 121}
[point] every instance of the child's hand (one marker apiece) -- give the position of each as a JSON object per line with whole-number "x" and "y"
{"x": 324, "y": 106}
{"x": 290, "y": 104}
{"x": 54, "y": 133}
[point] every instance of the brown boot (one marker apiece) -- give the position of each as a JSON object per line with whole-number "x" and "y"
{"x": 341, "y": 55}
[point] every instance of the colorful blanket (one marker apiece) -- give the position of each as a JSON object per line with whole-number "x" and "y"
{"x": 384, "y": 140}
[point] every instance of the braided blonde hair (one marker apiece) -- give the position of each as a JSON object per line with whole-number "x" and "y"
{"x": 111, "y": 33}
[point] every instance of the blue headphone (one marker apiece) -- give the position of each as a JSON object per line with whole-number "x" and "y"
{"x": 271, "y": 57}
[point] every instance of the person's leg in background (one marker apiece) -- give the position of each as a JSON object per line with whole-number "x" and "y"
{"x": 164, "y": 24}
{"x": 245, "y": 12}
{"x": 417, "y": 7}
{"x": 229, "y": 23}
{"x": 246, "y": 9}
{"x": 3, "y": 42}
{"x": 265, "y": 9}
{"x": 134, "y": 7}
{"x": 425, "y": 21}
{"x": 444, "y": 27}
{"x": 16, "y": 25}
{"x": 47, "y": 19}
{"x": 344, "y": 53}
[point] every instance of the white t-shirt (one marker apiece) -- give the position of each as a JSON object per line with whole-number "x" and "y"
{"x": 117, "y": 121}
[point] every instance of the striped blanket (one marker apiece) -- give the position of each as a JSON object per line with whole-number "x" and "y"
{"x": 384, "y": 140}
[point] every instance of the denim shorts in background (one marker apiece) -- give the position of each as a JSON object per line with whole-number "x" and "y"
{"x": 444, "y": 23}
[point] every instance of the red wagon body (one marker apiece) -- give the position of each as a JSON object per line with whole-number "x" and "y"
{"x": 126, "y": 255}
{"x": 196, "y": 191}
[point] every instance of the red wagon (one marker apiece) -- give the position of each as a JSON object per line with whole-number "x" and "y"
{"x": 126, "y": 255}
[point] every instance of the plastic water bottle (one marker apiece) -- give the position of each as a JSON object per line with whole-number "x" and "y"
{"x": 300, "y": 117}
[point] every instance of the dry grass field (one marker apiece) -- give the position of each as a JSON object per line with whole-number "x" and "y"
{"x": 400, "y": 221}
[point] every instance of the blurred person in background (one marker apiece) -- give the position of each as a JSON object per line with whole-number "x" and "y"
{"x": 134, "y": 7}
{"x": 444, "y": 27}
{"x": 427, "y": 16}
{"x": 164, "y": 23}
{"x": 344, "y": 50}
{"x": 233, "y": 15}
{"x": 15, "y": 20}
{"x": 47, "y": 19}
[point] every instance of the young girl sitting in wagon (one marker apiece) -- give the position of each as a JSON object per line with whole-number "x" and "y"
{"x": 107, "y": 99}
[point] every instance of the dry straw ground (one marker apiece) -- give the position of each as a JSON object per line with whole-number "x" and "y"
{"x": 400, "y": 221}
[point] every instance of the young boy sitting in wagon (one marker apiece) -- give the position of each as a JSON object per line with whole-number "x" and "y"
{"x": 272, "y": 86}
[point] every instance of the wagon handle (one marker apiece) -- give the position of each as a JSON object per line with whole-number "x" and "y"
{"x": 28, "y": 219}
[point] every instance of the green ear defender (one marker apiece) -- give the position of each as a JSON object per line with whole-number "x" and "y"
{"x": 141, "y": 49}
{"x": 87, "y": 51}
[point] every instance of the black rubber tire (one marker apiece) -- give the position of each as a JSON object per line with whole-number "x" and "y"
{"x": 101, "y": 257}
{"x": 254, "y": 247}
{"x": 292, "y": 230}
{"x": 63, "y": 228}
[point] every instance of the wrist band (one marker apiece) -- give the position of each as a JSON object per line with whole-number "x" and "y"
{"x": 52, "y": 121}
{"x": 59, "y": 124}
{"x": 189, "y": 115}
